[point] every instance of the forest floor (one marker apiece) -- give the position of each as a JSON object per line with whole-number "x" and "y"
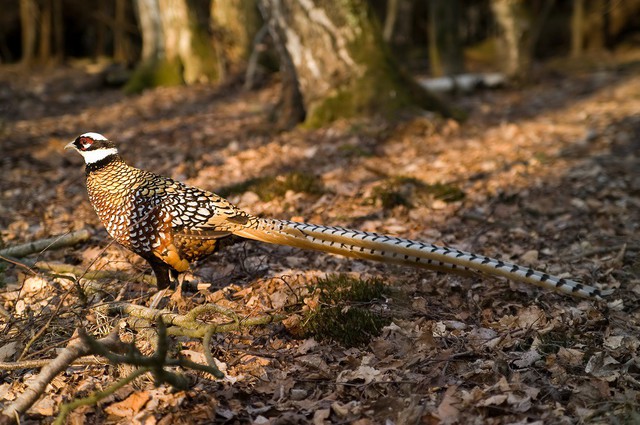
{"x": 547, "y": 176}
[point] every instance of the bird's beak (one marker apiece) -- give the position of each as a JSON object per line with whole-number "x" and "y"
{"x": 70, "y": 146}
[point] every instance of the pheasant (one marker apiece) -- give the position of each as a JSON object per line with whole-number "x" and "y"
{"x": 170, "y": 225}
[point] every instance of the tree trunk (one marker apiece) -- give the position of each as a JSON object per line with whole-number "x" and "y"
{"x": 58, "y": 30}
{"x": 235, "y": 24}
{"x": 44, "y": 47}
{"x": 397, "y": 23}
{"x": 148, "y": 13}
{"x": 175, "y": 47}
{"x": 515, "y": 23}
{"x": 186, "y": 42}
{"x": 28, "y": 21}
{"x": 577, "y": 31}
{"x": 445, "y": 47}
{"x": 588, "y": 26}
{"x": 119, "y": 32}
{"x": 340, "y": 64}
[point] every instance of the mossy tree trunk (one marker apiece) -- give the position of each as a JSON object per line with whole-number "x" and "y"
{"x": 176, "y": 47}
{"x": 339, "y": 61}
{"x": 235, "y": 24}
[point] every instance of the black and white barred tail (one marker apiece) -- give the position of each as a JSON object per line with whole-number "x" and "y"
{"x": 389, "y": 249}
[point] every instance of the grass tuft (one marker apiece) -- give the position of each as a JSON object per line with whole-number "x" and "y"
{"x": 345, "y": 313}
{"x": 411, "y": 192}
{"x": 268, "y": 188}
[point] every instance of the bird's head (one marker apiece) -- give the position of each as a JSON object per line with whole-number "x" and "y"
{"x": 93, "y": 147}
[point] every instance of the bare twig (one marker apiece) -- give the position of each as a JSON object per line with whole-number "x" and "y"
{"x": 42, "y": 329}
{"x": 37, "y": 364}
{"x": 62, "y": 268}
{"x": 37, "y": 386}
{"x": 94, "y": 398}
{"x": 38, "y": 246}
{"x": 628, "y": 251}
{"x": 156, "y": 362}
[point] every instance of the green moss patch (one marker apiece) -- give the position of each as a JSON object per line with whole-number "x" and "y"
{"x": 268, "y": 188}
{"x": 154, "y": 74}
{"x": 345, "y": 314}
{"x": 411, "y": 192}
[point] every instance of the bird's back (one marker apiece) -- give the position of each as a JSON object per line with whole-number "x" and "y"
{"x": 155, "y": 215}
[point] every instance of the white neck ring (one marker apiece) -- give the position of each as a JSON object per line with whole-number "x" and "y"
{"x": 91, "y": 157}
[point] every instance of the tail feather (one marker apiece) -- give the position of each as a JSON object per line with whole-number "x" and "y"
{"x": 389, "y": 249}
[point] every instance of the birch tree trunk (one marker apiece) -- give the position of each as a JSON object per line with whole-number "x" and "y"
{"x": 339, "y": 60}
{"x": 151, "y": 30}
{"x": 515, "y": 25}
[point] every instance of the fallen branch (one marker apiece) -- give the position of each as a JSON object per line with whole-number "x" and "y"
{"x": 62, "y": 268}
{"x": 112, "y": 349}
{"x": 37, "y": 386}
{"x": 37, "y": 364}
{"x": 187, "y": 324}
{"x": 94, "y": 398}
{"x": 56, "y": 242}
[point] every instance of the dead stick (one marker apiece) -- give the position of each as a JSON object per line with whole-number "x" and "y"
{"x": 186, "y": 324}
{"x": 37, "y": 386}
{"x": 37, "y": 364}
{"x": 69, "y": 239}
{"x": 62, "y": 268}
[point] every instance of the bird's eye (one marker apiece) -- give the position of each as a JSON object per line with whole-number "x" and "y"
{"x": 85, "y": 143}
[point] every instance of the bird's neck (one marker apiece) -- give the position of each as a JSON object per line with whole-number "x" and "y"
{"x": 100, "y": 163}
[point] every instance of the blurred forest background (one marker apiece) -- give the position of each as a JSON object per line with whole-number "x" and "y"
{"x": 509, "y": 128}
{"x": 336, "y": 58}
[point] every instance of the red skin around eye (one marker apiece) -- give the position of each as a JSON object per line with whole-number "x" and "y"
{"x": 85, "y": 143}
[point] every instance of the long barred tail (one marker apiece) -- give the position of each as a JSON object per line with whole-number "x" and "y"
{"x": 389, "y": 249}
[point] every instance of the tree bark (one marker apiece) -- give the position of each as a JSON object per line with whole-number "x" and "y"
{"x": 340, "y": 63}
{"x": 44, "y": 46}
{"x": 235, "y": 24}
{"x": 445, "y": 47}
{"x": 28, "y": 21}
{"x": 119, "y": 32}
{"x": 515, "y": 24}
{"x": 148, "y": 13}
{"x": 186, "y": 43}
{"x": 176, "y": 49}
{"x": 589, "y": 26}
{"x": 58, "y": 30}
{"x": 397, "y": 23}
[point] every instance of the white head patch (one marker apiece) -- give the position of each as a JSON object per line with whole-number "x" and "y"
{"x": 94, "y": 136}
{"x": 91, "y": 157}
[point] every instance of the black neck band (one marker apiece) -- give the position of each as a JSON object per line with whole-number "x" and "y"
{"x": 95, "y": 166}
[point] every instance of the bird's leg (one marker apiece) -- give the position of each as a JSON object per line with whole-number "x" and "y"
{"x": 165, "y": 277}
{"x": 176, "y": 282}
